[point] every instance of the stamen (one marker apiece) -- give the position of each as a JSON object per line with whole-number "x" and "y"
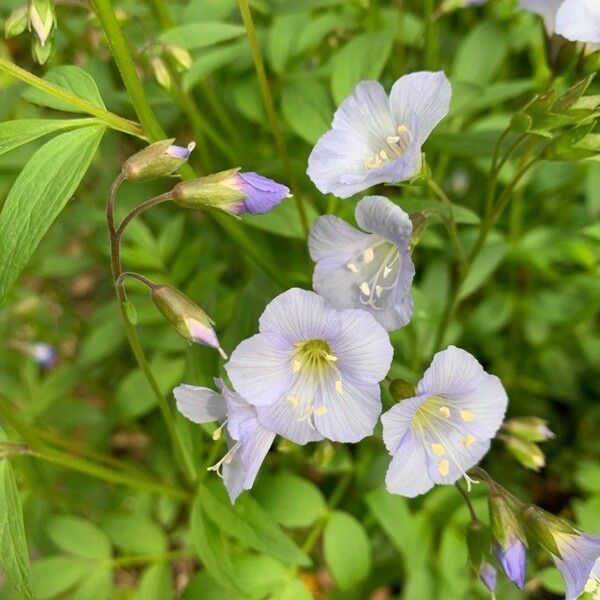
{"x": 338, "y": 387}
{"x": 467, "y": 416}
{"x": 378, "y": 291}
{"x": 591, "y": 586}
{"x": 297, "y": 366}
{"x": 444, "y": 468}
{"x": 217, "y": 432}
{"x": 293, "y": 402}
{"x": 352, "y": 267}
{"x": 402, "y": 130}
{"x": 368, "y": 255}
{"x": 383, "y": 155}
{"x": 320, "y": 411}
{"x": 386, "y": 271}
{"x": 330, "y": 357}
{"x": 393, "y": 139}
{"x": 444, "y": 411}
{"x": 438, "y": 449}
{"x": 218, "y": 467}
{"x": 469, "y": 440}
{"x": 365, "y": 289}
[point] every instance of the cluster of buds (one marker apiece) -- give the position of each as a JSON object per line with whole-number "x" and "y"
{"x": 164, "y": 58}
{"x": 39, "y": 17}
{"x": 522, "y": 436}
{"x": 231, "y": 191}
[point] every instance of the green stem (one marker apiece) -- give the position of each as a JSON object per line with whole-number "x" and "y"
{"x": 81, "y": 465}
{"x": 138, "y": 210}
{"x": 451, "y": 221}
{"x": 122, "y": 55}
{"x": 112, "y": 120}
{"x": 136, "y": 560}
{"x": 270, "y": 108}
{"x": 468, "y": 502}
{"x": 430, "y": 41}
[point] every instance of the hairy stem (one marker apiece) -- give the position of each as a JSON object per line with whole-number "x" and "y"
{"x": 138, "y": 210}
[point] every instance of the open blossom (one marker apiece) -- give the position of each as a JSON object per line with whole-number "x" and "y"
{"x": 547, "y": 9}
{"x": 377, "y": 139}
{"x": 373, "y": 270}
{"x": 436, "y": 436}
{"x": 579, "y": 20}
{"x": 247, "y": 439}
{"x": 313, "y": 371}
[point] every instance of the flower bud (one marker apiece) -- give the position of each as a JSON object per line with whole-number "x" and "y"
{"x": 189, "y": 320}
{"x": 16, "y": 22}
{"x": 42, "y": 19}
{"x": 160, "y": 159}
{"x": 232, "y": 192}
{"x": 161, "y": 72}
{"x": 41, "y": 53}
{"x": 181, "y": 58}
{"x": 526, "y": 452}
{"x": 489, "y": 576}
{"x": 400, "y": 389}
{"x": 532, "y": 429}
{"x": 546, "y": 529}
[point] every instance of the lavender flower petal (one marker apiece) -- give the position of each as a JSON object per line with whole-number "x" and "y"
{"x": 199, "y": 404}
{"x": 579, "y": 20}
{"x": 512, "y": 560}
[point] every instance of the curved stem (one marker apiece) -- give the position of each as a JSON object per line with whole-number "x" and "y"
{"x": 138, "y": 210}
{"x": 132, "y": 275}
{"x": 467, "y": 499}
{"x": 112, "y": 120}
{"x": 270, "y": 108}
{"x": 134, "y": 341}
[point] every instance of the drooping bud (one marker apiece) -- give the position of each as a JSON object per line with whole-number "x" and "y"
{"x": 16, "y": 23}
{"x": 161, "y": 72}
{"x": 42, "y": 19}
{"x": 190, "y": 321}
{"x": 46, "y": 355}
{"x": 181, "y": 58}
{"x": 532, "y": 429}
{"x": 41, "y": 53}
{"x": 489, "y": 576}
{"x": 526, "y": 452}
{"x": 509, "y": 537}
{"x": 400, "y": 389}
{"x": 232, "y": 192}
{"x": 160, "y": 159}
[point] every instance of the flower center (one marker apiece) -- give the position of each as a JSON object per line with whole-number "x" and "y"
{"x": 313, "y": 358}
{"x": 592, "y": 585}
{"x": 434, "y": 422}
{"x": 376, "y": 269}
{"x": 395, "y": 146}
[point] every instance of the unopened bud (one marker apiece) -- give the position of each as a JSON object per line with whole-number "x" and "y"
{"x": 232, "y": 192}
{"x": 161, "y": 72}
{"x": 160, "y": 159}
{"x": 489, "y": 576}
{"x": 401, "y": 390}
{"x": 190, "y": 321}
{"x": 41, "y": 53}
{"x": 546, "y": 529}
{"x": 478, "y": 543}
{"x": 526, "y": 452}
{"x": 532, "y": 429}
{"x": 42, "y": 19}
{"x": 181, "y": 58}
{"x": 16, "y": 23}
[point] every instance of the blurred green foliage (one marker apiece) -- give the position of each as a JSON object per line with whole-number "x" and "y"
{"x": 529, "y": 306}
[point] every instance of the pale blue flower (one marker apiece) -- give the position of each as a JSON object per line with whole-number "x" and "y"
{"x": 579, "y": 20}
{"x": 247, "y": 439}
{"x": 181, "y": 151}
{"x": 512, "y": 560}
{"x": 547, "y": 9}
{"x": 313, "y": 371}
{"x": 579, "y": 563}
{"x": 489, "y": 576}
{"x": 438, "y": 435}
{"x": 373, "y": 270}
{"x": 375, "y": 139}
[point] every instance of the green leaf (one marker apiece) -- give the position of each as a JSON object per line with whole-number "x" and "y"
{"x": 97, "y": 585}
{"x": 282, "y": 39}
{"x": 293, "y": 590}
{"x": 79, "y": 537}
{"x": 290, "y": 500}
{"x": 210, "y": 547}
{"x": 551, "y": 580}
{"x": 53, "y": 576}
{"x": 13, "y": 543}
{"x": 484, "y": 265}
{"x": 155, "y": 583}
{"x": 362, "y": 58}
{"x": 201, "y": 34}
{"x": 22, "y": 131}
{"x": 38, "y": 195}
{"x": 307, "y": 108}
{"x": 212, "y": 60}
{"x": 247, "y": 522}
{"x": 72, "y": 79}
{"x": 347, "y": 550}
{"x": 136, "y": 534}
{"x": 481, "y": 54}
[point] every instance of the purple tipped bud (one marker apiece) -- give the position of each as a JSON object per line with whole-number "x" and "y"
{"x": 44, "y": 354}
{"x": 190, "y": 321}
{"x": 160, "y": 159}
{"x": 512, "y": 560}
{"x": 489, "y": 576}
{"x": 232, "y": 192}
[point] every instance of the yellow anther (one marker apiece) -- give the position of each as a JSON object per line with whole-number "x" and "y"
{"x": 383, "y": 155}
{"x": 438, "y": 449}
{"x": 444, "y": 411}
{"x": 320, "y": 411}
{"x": 353, "y": 267}
{"x": 402, "y": 129}
{"x": 365, "y": 289}
{"x": 386, "y": 271}
{"x": 444, "y": 468}
{"x": 467, "y": 416}
{"x": 591, "y": 586}
{"x": 469, "y": 440}
{"x": 297, "y": 366}
{"x": 378, "y": 291}
{"x": 217, "y": 433}
{"x": 368, "y": 255}
{"x": 293, "y": 402}
{"x": 330, "y": 357}
{"x": 393, "y": 139}
{"x": 338, "y": 387}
